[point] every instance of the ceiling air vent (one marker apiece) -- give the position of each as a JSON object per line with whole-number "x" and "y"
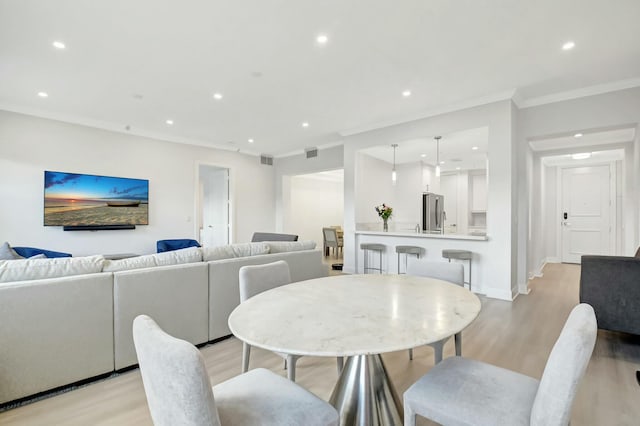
{"x": 311, "y": 152}
{"x": 266, "y": 160}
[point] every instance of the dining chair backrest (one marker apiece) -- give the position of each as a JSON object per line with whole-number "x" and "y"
{"x": 174, "y": 376}
{"x": 254, "y": 279}
{"x": 565, "y": 367}
{"x": 330, "y": 235}
{"x": 452, "y": 272}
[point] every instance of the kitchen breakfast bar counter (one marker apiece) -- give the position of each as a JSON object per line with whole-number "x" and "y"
{"x": 432, "y": 245}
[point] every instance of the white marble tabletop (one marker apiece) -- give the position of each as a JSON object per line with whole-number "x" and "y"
{"x": 354, "y": 315}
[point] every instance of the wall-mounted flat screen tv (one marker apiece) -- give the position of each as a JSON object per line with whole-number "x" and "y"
{"x": 72, "y": 199}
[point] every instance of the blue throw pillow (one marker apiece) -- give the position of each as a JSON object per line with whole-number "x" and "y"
{"x": 32, "y": 251}
{"x": 170, "y": 245}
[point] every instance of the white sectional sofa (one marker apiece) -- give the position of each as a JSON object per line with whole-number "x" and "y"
{"x": 77, "y": 325}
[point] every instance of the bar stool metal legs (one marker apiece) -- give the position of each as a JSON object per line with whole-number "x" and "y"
{"x": 368, "y": 248}
{"x": 407, "y": 250}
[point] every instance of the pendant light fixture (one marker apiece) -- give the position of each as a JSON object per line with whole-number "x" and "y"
{"x": 437, "y": 138}
{"x": 393, "y": 171}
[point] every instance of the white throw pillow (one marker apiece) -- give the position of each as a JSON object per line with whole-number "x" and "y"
{"x": 234, "y": 250}
{"x": 285, "y": 246}
{"x": 176, "y": 257}
{"x": 37, "y": 269}
{"x": 137, "y": 262}
{"x": 7, "y": 253}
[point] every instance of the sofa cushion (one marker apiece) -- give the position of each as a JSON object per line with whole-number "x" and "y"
{"x": 36, "y": 269}
{"x": 137, "y": 262}
{"x": 285, "y": 246}
{"x": 175, "y": 257}
{"x": 7, "y": 253}
{"x": 234, "y": 250}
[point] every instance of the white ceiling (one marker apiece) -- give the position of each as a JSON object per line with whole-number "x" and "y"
{"x": 328, "y": 176}
{"x": 139, "y": 63}
{"x": 456, "y": 150}
{"x": 597, "y": 157}
{"x": 584, "y": 139}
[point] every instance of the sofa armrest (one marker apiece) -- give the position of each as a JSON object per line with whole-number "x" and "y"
{"x": 611, "y": 284}
{"x": 54, "y": 332}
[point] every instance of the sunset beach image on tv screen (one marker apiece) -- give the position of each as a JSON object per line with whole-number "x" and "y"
{"x": 72, "y": 199}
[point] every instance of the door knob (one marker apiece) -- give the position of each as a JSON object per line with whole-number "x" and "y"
{"x": 566, "y": 223}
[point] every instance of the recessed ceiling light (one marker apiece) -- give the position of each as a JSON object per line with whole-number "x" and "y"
{"x": 59, "y": 45}
{"x": 568, "y": 45}
{"x": 305, "y": 124}
{"x": 406, "y": 93}
{"x": 475, "y": 148}
{"x": 322, "y": 39}
{"x": 423, "y": 155}
{"x": 442, "y": 162}
{"x": 577, "y": 135}
{"x": 250, "y": 141}
{"x": 217, "y": 96}
{"x": 457, "y": 168}
{"x": 43, "y": 94}
{"x": 169, "y": 122}
{"x": 581, "y": 156}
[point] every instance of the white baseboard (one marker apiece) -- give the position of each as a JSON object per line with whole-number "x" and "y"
{"x": 497, "y": 293}
{"x": 538, "y": 273}
{"x": 524, "y": 288}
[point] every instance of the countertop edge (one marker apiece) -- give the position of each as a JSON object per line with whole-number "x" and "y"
{"x": 416, "y": 235}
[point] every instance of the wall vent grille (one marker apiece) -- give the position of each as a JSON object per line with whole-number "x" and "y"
{"x": 267, "y": 160}
{"x": 311, "y": 152}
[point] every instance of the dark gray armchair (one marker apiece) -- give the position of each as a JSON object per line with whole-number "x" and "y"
{"x": 269, "y": 236}
{"x": 611, "y": 284}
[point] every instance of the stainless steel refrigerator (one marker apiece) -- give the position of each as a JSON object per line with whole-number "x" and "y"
{"x": 433, "y": 213}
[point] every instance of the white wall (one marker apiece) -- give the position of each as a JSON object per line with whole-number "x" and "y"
{"x": 286, "y": 167}
{"x": 314, "y": 204}
{"x": 29, "y": 145}
{"x": 599, "y": 112}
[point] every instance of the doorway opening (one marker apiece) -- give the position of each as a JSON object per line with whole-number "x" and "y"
{"x": 311, "y": 202}
{"x": 213, "y": 209}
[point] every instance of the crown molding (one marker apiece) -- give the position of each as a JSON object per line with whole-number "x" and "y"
{"x": 118, "y": 128}
{"x": 580, "y": 93}
{"x": 471, "y": 103}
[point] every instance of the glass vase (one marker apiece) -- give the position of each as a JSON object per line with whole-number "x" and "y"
{"x": 385, "y": 225}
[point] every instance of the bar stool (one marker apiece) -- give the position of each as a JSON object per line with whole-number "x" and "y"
{"x": 460, "y": 255}
{"x": 369, "y": 247}
{"x": 407, "y": 250}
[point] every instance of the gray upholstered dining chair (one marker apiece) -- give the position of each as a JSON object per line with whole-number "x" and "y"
{"x": 253, "y": 280}
{"x": 331, "y": 239}
{"x": 452, "y": 272}
{"x": 179, "y": 391}
{"x": 461, "y": 391}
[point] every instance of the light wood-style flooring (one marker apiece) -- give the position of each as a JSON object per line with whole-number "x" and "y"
{"x": 516, "y": 335}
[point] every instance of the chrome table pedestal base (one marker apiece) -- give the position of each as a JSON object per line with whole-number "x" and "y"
{"x": 364, "y": 395}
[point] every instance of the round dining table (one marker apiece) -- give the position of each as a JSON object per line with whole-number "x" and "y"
{"x": 360, "y": 317}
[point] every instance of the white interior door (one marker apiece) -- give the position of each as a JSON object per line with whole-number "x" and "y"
{"x": 586, "y": 212}
{"x": 214, "y": 204}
